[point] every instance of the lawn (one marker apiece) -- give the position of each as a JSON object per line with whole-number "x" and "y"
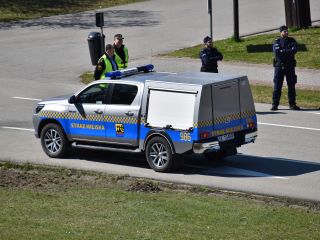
{"x": 258, "y": 49}
{"x": 39, "y": 202}
{"x": 12, "y": 10}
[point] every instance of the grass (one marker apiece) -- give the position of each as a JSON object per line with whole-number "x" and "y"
{"x": 262, "y": 94}
{"x": 305, "y": 98}
{"x": 258, "y": 49}
{"x": 13, "y": 10}
{"x": 39, "y": 202}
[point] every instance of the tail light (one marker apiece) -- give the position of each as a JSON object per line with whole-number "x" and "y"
{"x": 251, "y": 123}
{"x": 204, "y": 135}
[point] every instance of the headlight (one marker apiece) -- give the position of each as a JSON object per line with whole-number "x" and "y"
{"x": 39, "y": 107}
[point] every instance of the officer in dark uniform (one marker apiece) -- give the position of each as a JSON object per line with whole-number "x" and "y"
{"x": 284, "y": 49}
{"x": 121, "y": 52}
{"x": 106, "y": 63}
{"x": 209, "y": 56}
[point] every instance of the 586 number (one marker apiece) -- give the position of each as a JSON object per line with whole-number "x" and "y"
{"x": 185, "y": 136}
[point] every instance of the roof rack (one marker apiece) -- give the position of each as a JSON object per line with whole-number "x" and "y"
{"x": 129, "y": 71}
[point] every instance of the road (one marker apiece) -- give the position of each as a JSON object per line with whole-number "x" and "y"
{"x": 43, "y": 58}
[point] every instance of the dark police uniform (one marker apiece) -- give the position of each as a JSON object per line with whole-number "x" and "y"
{"x": 209, "y": 59}
{"x": 284, "y": 64}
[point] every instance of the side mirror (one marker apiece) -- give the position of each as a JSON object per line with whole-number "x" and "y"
{"x": 72, "y": 99}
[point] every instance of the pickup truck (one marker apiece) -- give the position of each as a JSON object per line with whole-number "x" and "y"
{"x": 164, "y": 115}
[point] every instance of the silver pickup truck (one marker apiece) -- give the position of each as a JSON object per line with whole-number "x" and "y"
{"x": 164, "y": 115}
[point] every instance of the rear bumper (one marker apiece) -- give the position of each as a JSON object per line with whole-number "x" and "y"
{"x": 215, "y": 145}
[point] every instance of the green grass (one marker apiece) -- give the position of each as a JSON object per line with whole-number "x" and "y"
{"x": 305, "y": 98}
{"x": 49, "y": 203}
{"x": 12, "y": 10}
{"x": 261, "y": 94}
{"x": 255, "y": 49}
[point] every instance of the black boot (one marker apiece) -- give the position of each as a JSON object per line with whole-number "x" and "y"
{"x": 274, "y": 108}
{"x": 294, "y": 107}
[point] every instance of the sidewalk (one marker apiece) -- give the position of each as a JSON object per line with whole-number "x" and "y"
{"x": 259, "y": 73}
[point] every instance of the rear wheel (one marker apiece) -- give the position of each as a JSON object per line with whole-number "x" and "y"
{"x": 159, "y": 155}
{"x": 53, "y": 141}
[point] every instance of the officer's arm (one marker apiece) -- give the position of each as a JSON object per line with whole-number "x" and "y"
{"x": 276, "y": 47}
{"x": 291, "y": 48}
{"x": 217, "y": 56}
{"x": 101, "y": 66}
{"x": 204, "y": 57}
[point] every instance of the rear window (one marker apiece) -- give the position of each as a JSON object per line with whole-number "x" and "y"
{"x": 123, "y": 94}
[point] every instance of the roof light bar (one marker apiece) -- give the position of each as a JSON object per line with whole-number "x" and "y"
{"x": 129, "y": 71}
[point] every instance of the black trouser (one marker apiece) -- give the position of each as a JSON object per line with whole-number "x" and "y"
{"x": 214, "y": 70}
{"x": 291, "y": 78}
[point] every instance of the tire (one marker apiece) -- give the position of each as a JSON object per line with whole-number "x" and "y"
{"x": 159, "y": 155}
{"x": 53, "y": 141}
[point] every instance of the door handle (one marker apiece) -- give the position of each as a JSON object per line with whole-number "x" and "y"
{"x": 129, "y": 113}
{"x": 98, "y": 111}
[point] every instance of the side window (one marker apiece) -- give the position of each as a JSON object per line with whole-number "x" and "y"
{"x": 95, "y": 94}
{"x": 123, "y": 94}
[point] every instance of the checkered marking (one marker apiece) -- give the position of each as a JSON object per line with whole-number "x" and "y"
{"x": 90, "y": 117}
{"x": 224, "y": 119}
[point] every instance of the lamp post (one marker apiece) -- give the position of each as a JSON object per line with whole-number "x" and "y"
{"x": 210, "y": 13}
{"x": 236, "y": 20}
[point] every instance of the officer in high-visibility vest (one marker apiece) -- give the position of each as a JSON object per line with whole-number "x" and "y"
{"x": 106, "y": 63}
{"x": 121, "y": 52}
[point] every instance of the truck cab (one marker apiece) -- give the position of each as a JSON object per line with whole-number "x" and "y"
{"x": 164, "y": 115}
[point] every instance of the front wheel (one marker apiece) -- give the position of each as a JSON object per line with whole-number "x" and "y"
{"x": 159, "y": 155}
{"x": 53, "y": 141}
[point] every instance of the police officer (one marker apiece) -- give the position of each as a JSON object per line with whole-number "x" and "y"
{"x": 121, "y": 52}
{"x": 106, "y": 63}
{"x": 209, "y": 56}
{"x": 284, "y": 49}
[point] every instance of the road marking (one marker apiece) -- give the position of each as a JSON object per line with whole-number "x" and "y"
{"x": 245, "y": 172}
{"x": 288, "y": 126}
{"x": 24, "y": 98}
{"x": 16, "y": 128}
{"x": 314, "y": 112}
{"x": 236, "y": 172}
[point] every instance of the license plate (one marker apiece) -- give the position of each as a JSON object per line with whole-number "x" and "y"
{"x": 226, "y": 137}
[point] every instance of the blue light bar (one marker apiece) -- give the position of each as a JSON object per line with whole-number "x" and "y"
{"x": 129, "y": 71}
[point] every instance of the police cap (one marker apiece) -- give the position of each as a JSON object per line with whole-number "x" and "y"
{"x": 119, "y": 36}
{"x": 206, "y": 39}
{"x": 282, "y": 28}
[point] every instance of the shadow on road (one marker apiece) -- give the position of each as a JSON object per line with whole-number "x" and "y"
{"x": 113, "y": 19}
{"x": 241, "y": 166}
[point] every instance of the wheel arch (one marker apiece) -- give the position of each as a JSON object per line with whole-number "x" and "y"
{"x": 44, "y": 122}
{"x": 162, "y": 134}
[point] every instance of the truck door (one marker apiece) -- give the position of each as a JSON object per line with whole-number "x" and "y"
{"x": 86, "y": 115}
{"x": 226, "y": 108}
{"x": 122, "y": 114}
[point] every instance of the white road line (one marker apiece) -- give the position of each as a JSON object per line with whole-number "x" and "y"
{"x": 24, "y": 98}
{"x": 16, "y": 128}
{"x": 288, "y": 126}
{"x": 314, "y": 112}
{"x": 236, "y": 172}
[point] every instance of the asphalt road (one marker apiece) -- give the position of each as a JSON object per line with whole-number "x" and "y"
{"x": 43, "y": 58}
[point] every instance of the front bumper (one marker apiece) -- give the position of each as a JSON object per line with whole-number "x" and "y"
{"x": 215, "y": 145}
